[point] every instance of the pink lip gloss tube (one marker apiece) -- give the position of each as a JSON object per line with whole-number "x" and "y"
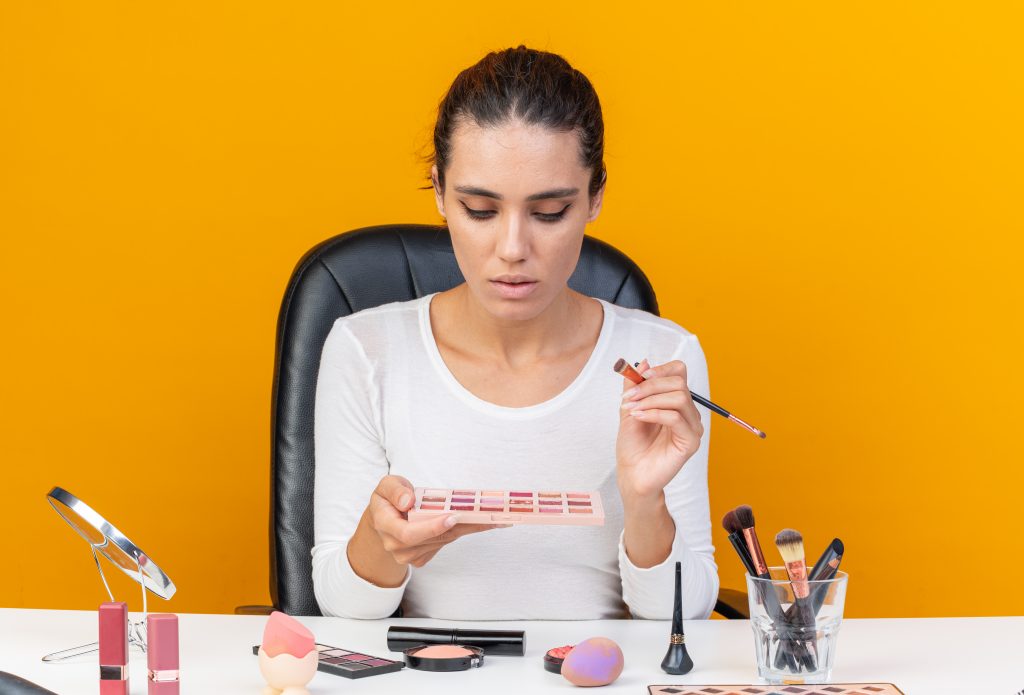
{"x": 162, "y": 653}
{"x": 114, "y": 648}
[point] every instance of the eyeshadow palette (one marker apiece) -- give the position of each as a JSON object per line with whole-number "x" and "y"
{"x": 349, "y": 664}
{"x": 510, "y": 506}
{"x": 825, "y": 689}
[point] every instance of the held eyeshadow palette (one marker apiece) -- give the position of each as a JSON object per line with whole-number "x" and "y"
{"x": 825, "y": 689}
{"x": 349, "y": 664}
{"x": 510, "y": 506}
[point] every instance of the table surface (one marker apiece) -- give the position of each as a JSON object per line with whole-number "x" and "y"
{"x": 920, "y": 655}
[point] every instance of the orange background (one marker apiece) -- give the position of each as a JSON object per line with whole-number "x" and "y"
{"x": 828, "y": 195}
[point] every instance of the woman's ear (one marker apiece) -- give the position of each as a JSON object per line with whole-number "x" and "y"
{"x": 598, "y": 198}
{"x": 438, "y": 195}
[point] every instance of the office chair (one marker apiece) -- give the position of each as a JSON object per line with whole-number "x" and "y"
{"x": 353, "y": 271}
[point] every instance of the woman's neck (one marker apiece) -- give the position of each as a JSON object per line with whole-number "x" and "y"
{"x": 561, "y": 327}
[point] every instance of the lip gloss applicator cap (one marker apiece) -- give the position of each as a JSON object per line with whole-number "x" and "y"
{"x": 677, "y": 660}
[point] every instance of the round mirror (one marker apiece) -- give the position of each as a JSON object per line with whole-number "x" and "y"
{"x": 110, "y": 543}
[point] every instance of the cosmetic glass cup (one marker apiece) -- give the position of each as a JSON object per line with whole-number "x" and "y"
{"x": 795, "y": 643}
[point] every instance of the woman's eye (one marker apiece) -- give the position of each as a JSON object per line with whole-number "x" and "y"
{"x": 478, "y": 214}
{"x": 543, "y": 216}
{"x": 553, "y": 216}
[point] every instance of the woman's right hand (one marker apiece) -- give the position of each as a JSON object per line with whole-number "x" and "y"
{"x": 385, "y": 542}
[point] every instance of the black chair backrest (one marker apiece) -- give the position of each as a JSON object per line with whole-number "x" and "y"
{"x": 353, "y": 271}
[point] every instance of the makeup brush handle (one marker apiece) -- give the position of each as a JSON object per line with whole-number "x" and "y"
{"x": 708, "y": 404}
{"x": 741, "y": 550}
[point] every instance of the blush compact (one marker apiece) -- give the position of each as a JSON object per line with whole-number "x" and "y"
{"x": 444, "y": 657}
{"x": 554, "y": 658}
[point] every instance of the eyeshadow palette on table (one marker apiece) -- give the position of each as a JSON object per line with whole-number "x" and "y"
{"x": 349, "y": 664}
{"x": 824, "y": 689}
{"x": 510, "y": 506}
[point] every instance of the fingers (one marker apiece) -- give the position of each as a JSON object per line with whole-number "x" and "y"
{"x": 678, "y": 399}
{"x": 410, "y": 533}
{"x": 397, "y": 491}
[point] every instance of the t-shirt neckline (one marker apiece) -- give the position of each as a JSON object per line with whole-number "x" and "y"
{"x": 529, "y": 411}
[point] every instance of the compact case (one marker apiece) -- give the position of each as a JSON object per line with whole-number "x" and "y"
{"x": 444, "y": 658}
{"x": 510, "y": 506}
{"x": 554, "y": 657}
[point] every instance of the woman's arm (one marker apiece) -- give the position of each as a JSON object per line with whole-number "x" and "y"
{"x": 350, "y": 463}
{"x": 672, "y": 523}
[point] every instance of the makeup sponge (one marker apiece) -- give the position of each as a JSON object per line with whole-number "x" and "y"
{"x": 596, "y": 661}
{"x": 286, "y": 635}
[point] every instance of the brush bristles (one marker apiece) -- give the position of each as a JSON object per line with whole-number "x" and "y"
{"x": 837, "y": 546}
{"x": 620, "y": 366}
{"x": 745, "y": 515}
{"x": 731, "y": 524}
{"x": 791, "y": 545}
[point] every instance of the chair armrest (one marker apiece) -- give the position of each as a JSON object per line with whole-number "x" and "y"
{"x": 732, "y": 604}
{"x": 254, "y": 610}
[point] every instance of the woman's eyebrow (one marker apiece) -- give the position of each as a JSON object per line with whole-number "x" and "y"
{"x": 543, "y": 195}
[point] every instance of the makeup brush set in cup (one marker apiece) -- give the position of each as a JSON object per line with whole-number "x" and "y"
{"x": 795, "y": 609}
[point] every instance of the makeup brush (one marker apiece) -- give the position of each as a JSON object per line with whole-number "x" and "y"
{"x": 732, "y": 526}
{"x": 677, "y": 661}
{"x": 625, "y": 369}
{"x": 791, "y": 545}
{"x": 731, "y": 523}
{"x": 795, "y": 651}
{"x": 824, "y": 569}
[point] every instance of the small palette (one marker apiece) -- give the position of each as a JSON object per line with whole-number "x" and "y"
{"x": 349, "y": 664}
{"x": 510, "y": 506}
{"x": 824, "y": 689}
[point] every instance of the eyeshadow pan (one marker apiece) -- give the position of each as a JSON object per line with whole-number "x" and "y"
{"x": 348, "y": 664}
{"x": 538, "y": 506}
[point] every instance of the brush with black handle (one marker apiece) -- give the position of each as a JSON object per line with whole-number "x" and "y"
{"x": 791, "y": 652}
{"x": 824, "y": 569}
{"x": 784, "y": 655}
{"x": 791, "y": 545}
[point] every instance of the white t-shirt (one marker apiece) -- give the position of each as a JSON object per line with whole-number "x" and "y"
{"x": 387, "y": 403}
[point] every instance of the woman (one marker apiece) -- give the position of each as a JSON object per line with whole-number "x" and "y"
{"x": 506, "y": 382}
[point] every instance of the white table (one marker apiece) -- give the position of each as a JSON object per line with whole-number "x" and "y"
{"x": 921, "y": 656}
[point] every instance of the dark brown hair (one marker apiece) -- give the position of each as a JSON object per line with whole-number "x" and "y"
{"x": 536, "y": 87}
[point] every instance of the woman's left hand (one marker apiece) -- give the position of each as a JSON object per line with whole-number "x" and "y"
{"x": 659, "y": 430}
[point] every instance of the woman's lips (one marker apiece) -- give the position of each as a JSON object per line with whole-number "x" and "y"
{"x": 514, "y": 290}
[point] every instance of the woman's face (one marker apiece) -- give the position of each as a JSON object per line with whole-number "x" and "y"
{"x": 516, "y": 203}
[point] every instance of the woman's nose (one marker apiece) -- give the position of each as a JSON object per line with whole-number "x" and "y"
{"x": 513, "y": 240}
